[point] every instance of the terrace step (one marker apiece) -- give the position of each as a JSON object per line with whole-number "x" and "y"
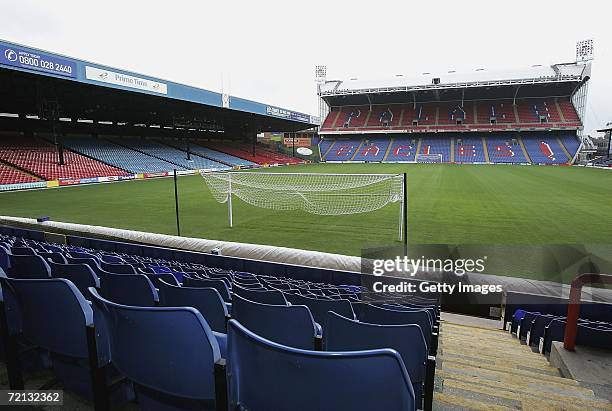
{"x": 487, "y": 369}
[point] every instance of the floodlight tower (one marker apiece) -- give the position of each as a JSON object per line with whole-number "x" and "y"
{"x": 584, "y": 56}
{"x": 320, "y": 79}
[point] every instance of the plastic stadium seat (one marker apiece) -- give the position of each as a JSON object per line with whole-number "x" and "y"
{"x": 117, "y": 268}
{"x": 287, "y": 325}
{"x": 129, "y": 289}
{"x": 5, "y": 258}
{"x": 264, "y": 375}
{"x": 53, "y": 315}
{"x": 206, "y": 300}
{"x": 81, "y": 275}
{"x": 23, "y": 251}
{"x": 344, "y": 334}
{"x": 219, "y": 285}
{"x": 156, "y": 278}
{"x": 29, "y": 266}
{"x": 55, "y": 257}
{"x": 264, "y": 297}
{"x": 171, "y": 356}
{"x": 320, "y": 308}
{"x": 376, "y": 315}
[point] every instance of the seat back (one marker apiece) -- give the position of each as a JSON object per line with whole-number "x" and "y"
{"x": 29, "y": 266}
{"x": 376, "y": 315}
{"x": 55, "y": 257}
{"x": 52, "y": 314}
{"x": 23, "y": 251}
{"x": 301, "y": 380}
{"x": 219, "y": 285}
{"x": 128, "y": 289}
{"x": 81, "y": 275}
{"x": 167, "y": 277}
{"x": 172, "y": 350}
{"x": 344, "y": 334}
{"x": 117, "y": 268}
{"x": 264, "y": 297}
{"x": 319, "y": 307}
{"x": 206, "y": 300}
{"x": 288, "y": 325}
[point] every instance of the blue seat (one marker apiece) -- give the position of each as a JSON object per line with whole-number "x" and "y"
{"x": 537, "y": 327}
{"x": 53, "y": 315}
{"x": 377, "y": 315}
{"x": 264, "y": 375}
{"x": 524, "y": 324}
{"x": 117, "y": 268}
{"x": 29, "y": 266}
{"x": 344, "y": 334}
{"x": 320, "y": 307}
{"x": 128, "y": 289}
{"x": 206, "y": 300}
{"x": 81, "y": 275}
{"x": 172, "y": 355}
{"x": 23, "y": 251}
{"x": 264, "y": 297}
{"x": 167, "y": 277}
{"x": 111, "y": 259}
{"x": 55, "y": 257}
{"x": 287, "y": 325}
{"x": 219, "y": 285}
{"x": 5, "y": 258}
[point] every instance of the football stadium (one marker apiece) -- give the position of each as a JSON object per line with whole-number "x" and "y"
{"x": 431, "y": 241}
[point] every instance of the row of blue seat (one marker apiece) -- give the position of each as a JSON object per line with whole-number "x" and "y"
{"x": 539, "y": 330}
{"x": 202, "y": 291}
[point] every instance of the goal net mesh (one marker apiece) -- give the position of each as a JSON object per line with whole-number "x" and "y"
{"x": 321, "y": 194}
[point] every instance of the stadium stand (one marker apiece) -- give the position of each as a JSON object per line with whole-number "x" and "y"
{"x": 40, "y": 158}
{"x": 117, "y": 155}
{"x": 545, "y": 149}
{"x": 451, "y": 116}
{"x": 469, "y": 150}
{"x": 503, "y": 147}
{"x": 293, "y": 328}
{"x": 10, "y": 175}
{"x": 402, "y": 149}
{"x": 170, "y": 154}
{"x": 244, "y": 151}
{"x": 438, "y": 145}
{"x": 219, "y": 156}
{"x": 372, "y": 150}
{"x": 343, "y": 150}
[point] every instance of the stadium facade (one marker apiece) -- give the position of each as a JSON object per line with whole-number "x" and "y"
{"x": 528, "y": 116}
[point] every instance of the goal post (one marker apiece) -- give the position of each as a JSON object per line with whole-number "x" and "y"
{"x": 314, "y": 193}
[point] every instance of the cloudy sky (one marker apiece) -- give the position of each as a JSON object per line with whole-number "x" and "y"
{"x": 266, "y": 50}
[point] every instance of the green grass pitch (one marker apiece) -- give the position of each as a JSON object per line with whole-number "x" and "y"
{"x": 469, "y": 204}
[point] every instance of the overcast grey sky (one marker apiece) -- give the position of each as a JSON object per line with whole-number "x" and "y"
{"x": 267, "y": 50}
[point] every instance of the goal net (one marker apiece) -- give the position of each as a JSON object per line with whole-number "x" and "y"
{"x": 320, "y": 194}
{"x": 428, "y": 158}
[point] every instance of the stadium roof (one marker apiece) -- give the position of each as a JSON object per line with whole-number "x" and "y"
{"x": 562, "y": 79}
{"x": 83, "y": 90}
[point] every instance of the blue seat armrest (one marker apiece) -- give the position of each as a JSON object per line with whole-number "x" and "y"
{"x": 319, "y": 330}
{"x": 434, "y": 344}
{"x": 222, "y": 341}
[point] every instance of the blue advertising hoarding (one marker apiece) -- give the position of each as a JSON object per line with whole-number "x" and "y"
{"x": 19, "y": 57}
